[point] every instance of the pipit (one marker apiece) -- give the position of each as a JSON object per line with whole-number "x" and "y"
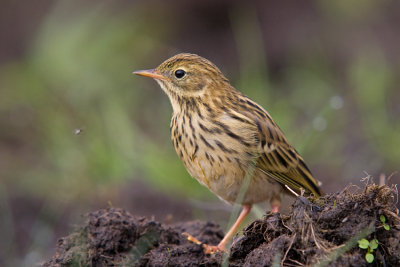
{"x": 223, "y": 138}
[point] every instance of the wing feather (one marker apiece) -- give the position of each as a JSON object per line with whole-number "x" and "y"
{"x": 277, "y": 158}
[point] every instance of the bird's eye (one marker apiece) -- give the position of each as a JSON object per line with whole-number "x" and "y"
{"x": 179, "y": 73}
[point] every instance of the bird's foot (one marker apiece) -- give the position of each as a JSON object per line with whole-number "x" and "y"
{"x": 275, "y": 209}
{"x": 211, "y": 249}
{"x": 207, "y": 248}
{"x": 192, "y": 239}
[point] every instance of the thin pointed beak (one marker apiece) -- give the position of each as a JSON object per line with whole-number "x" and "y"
{"x": 150, "y": 73}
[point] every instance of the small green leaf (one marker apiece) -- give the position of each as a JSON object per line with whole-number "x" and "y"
{"x": 363, "y": 243}
{"x": 369, "y": 257}
{"x": 382, "y": 218}
{"x": 373, "y": 244}
{"x": 387, "y": 227}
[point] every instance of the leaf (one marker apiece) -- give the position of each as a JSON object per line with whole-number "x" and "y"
{"x": 369, "y": 257}
{"x": 382, "y": 218}
{"x": 363, "y": 243}
{"x": 373, "y": 244}
{"x": 387, "y": 227}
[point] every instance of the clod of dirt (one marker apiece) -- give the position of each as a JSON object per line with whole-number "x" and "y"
{"x": 113, "y": 237}
{"x": 322, "y": 232}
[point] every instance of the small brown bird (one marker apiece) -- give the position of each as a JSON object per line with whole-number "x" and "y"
{"x": 223, "y": 138}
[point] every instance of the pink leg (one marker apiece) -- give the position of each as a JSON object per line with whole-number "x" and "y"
{"x": 275, "y": 203}
{"x": 275, "y": 208}
{"x": 246, "y": 210}
{"x": 221, "y": 246}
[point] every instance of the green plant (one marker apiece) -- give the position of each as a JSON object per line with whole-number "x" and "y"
{"x": 370, "y": 246}
{"x": 383, "y": 220}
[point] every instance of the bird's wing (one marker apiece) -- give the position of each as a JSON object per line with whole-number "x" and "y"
{"x": 276, "y": 157}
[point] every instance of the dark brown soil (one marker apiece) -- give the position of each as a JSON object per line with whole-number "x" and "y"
{"x": 322, "y": 232}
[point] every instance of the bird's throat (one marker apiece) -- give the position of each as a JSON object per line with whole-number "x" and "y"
{"x": 181, "y": 102}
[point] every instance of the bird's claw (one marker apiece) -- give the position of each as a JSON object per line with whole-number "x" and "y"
{"x": 211, "y": 249}
{"x": 207, "y": 248}
{"x": 192, "y": 239}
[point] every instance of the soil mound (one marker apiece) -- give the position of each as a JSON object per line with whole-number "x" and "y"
{"x": 321, "y": 232}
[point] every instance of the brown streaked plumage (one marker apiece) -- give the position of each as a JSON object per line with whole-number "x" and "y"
{"x": 222, "y": 137}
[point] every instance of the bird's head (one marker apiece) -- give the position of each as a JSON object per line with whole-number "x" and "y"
{"x": 187, "y": 76}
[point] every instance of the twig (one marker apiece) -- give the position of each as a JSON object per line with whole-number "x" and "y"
{"x": 290, "y": 229}
{"x": 390, "y": 176}
{"x": 347, "y": 246}
{"x": 397, "y": 193}
{"x": 297, "y": 262}
{"x": 287, "y": 251}
{"x": 392, "y": 214}
{"x": 291, "y": 190}
{"x": 313, "y": 234}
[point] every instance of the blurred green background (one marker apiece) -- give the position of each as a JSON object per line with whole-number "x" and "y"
{"x": 327, "y": 71}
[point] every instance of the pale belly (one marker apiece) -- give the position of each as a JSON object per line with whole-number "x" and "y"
{"x": 235, "y": 186}
{"x": 221, "y": 164}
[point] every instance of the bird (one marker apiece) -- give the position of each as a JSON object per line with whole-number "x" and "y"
{"x": 227, "y": 141}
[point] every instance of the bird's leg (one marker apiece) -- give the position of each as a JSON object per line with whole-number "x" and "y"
{"x": 221, "y": 246}
{"x": 275, "y": 208}
{"x": 275, "y": 203}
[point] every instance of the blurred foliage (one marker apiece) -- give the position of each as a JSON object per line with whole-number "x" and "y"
{"x": 76, "y": 74}
{"x": 373, "y": 81}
